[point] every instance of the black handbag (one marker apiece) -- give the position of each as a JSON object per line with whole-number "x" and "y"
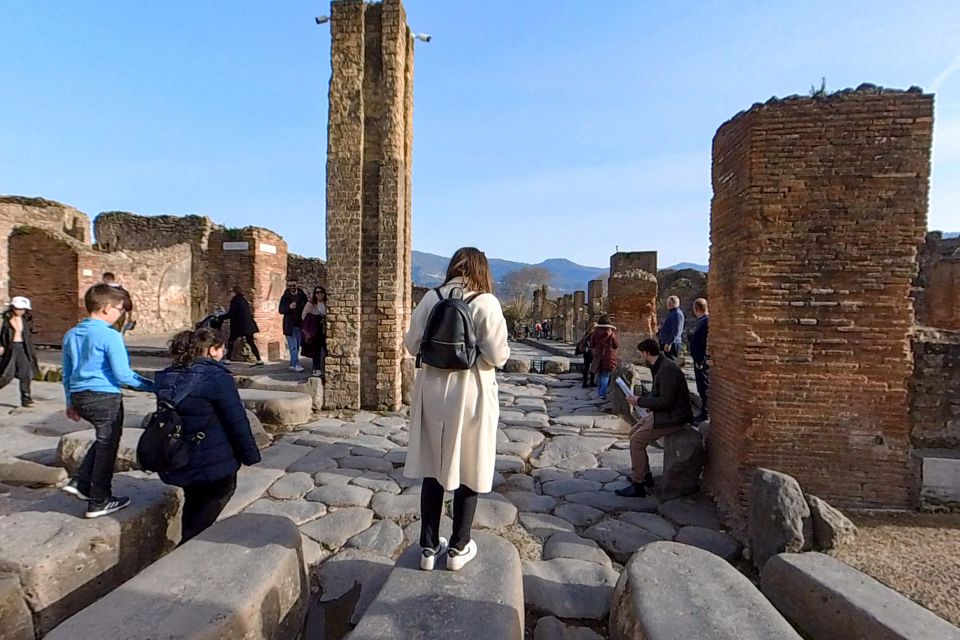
{"x": 163, "y": 445}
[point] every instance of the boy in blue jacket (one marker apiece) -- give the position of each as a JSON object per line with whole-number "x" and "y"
{"x": 95, "y": 366}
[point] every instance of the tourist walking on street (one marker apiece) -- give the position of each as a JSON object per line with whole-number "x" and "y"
{"x": 211, "y": 406}
{"x": 668, "y": 406}
{"x": 18, "y": 359}
{"x": 454, "y": 412}
{"x": 671, "y": 331}
{"x": 95, "y": 366}
{"x": 698, "y": 351}
{"x": 242, "y": 325}
{"x": 315, "y": 332}
{"x": 292, "y": 304}
{"x": 605, "y": 344}
{"x": 585, "y": 346}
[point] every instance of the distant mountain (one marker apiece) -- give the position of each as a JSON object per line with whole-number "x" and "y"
{"x": 688, "y": 265}
{"x": 429, "y": 271}
{"x": 952, "y": 234}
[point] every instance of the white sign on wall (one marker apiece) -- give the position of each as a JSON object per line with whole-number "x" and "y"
{"x": 266, "y": 247}
{"x": 236, "y": 246}
{"x": 87, "y": 273}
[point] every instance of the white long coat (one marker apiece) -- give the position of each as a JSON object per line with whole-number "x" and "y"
{"x": 454, "y": 414}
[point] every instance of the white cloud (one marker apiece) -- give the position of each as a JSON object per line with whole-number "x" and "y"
{"x": 945, "y": 74}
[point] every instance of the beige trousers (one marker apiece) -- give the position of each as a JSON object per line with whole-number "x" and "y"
{"x": 641, "y": 435}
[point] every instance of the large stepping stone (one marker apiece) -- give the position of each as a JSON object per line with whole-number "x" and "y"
{"x": 287, "y": 382}
{"x": 65, "y": 562}
{"x": 611, "y": 502}
{"x": 297, "y": 511}
{"x": 570, "y": 545}
{"x": 683, "y": 458}
{"x": 826, "y": 598}
{"x": 278, "y": 410}
{"x": 334, "y": 529}
{"x": 352, "y": 568}
{"x": 718, "y": 542}
{"x": 484, "y": 600}
{"x": 569, "y": 588}
{"x": 241, "y": 578}
{"x": 73, "y": 446}
{"x": 14, "y": 471}
{"x": 618, "y": 538}
{"x": 671, "y": 590}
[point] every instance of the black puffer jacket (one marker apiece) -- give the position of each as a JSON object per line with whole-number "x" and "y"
{"x": 213, "y": 407}
{"x": 670, "y": 398}
{"x": 6, "y": 341}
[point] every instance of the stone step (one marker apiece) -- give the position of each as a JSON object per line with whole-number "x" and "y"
{"x": 241, "y": 578}
{"x": 289, "y": 382}
{"x": 826, "y": 598}
{"x": 65, "y": 562}
{"x": 278, "y": 410}
{"x": 941, "y": 476}
{"x": 670, "y": 590}
{"x": 484, "y": 600}
{"x": 73, "y": 446}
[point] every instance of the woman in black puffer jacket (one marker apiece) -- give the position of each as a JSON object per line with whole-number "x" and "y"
{"x": 212, "y": 407}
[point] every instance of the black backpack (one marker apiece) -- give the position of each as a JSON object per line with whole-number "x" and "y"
{"x": 163, "y": 445}
{"x": 449, "y": 339}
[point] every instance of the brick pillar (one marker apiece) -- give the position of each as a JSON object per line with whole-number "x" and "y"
{"x": 368, "y": 202}
{"x": 537, "y": 304}
{"x": 819, "y": 207}
{"x": 632, "y": 298}
{"x": 595, "y": 297}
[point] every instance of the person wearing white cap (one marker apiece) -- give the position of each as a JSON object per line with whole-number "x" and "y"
{"x": 18, "y": 359}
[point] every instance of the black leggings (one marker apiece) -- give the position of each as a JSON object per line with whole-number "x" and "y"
{"x": 203, "y": 503}
{"x": 431, "y": 509}
{"x": 250, "y": 341}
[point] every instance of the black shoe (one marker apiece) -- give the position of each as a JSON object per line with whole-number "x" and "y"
{"x": 26, "y": 402}
{"x": 73, "y": 488}
{"x": 635, "y": 490}
{"x": 584, "y": 386}
{"x": 111, "y": 505}
{"x": 648, "y": 479}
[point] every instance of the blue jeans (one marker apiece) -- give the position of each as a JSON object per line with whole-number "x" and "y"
{"x": 293, "y": 344}
{"x": 604, "y": 383}
{"x": 105, "y": 412}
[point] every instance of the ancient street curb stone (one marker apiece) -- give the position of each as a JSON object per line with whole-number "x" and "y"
{"x": 779, "y": 518}
{"x": 279, "y": 410}
{"x": 826, "y": 598}
{"x": 23, "y": 472}
{"x": 683, "y": 460}
{"x": 14, "y": 612}
{"x": 570, "y": 545}
{"x": 718, "y": 542}
{"x": 334, "y": 529}
{"x": 830, "y": 527}
{"x": 73, "y": 446}
{"x": 257, "y": 588}
{"x": 298, "y": 511}
{"x": 619, "y": 538}
{"x": 569, "y": 588}
{"x": 662, "y": 594}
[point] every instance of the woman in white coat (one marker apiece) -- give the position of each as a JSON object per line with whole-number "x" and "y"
{"x": 454, "y": 414}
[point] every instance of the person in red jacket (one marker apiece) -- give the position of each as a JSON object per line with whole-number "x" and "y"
{"x": 605, "y": 344}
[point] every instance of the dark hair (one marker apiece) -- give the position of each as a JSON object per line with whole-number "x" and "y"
{"x": 313, "y": 297}
{"x": 649, "y": 346}
{"x": 237, "y": 290}
{"x": 103, "y": 295}
{"x": 108, "y": 277}
{"x": 471, "y": 264}
{"x": 604, "y": 319}
{"x": 187, "y": 346}
{"x": 8, "y": 313}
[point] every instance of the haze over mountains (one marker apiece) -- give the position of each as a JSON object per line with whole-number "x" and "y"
{"x": 429, "y": 270}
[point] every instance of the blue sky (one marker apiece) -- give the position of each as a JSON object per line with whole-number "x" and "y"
{"x": 561, "y": 129}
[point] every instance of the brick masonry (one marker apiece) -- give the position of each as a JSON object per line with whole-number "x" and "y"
{"x": 937, "y": 287}
{"x": 935, "y": 389}
{"x": 632, "y": 298}
{"x": 369, "y": 165}
{"x": 819, "y": 208}
{"x": 308, "y": 272}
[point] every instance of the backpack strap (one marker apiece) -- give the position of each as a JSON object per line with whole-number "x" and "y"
{"x": 470, "y": 299}
{"x": 427, "y": 328}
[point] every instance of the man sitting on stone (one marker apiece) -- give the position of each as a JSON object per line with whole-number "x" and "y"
{"x": 668, "y": 406}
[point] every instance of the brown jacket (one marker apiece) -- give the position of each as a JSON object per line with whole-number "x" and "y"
{"x": 605, "y": 345}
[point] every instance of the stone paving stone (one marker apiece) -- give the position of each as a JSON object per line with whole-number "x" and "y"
{"x": 578, "y": 462}
{"x": 334, "y": 529}
{"x": 252, "y": 483}
{"x": 387, "y": 505}
{"x": 698, "y": 512}
{"x": 569, "y": 588}
{"x": 581, "y": 421}
{"x": 563, "y": 447}
{"x": 610, "y": 502}
{"x": 364, "y": 416}
{"x": 570, "y": 545}
{"x": 520, "y": 434}
{"x": 531, "y": 404}
{"x": 510, "y": 464}
{"x": 519, "y": 449}
{"x": 561, "y": 430}
{"x": 411, "y": 532}
{"x": 543, "y": 526}
{"x": 348, "y": 569}
{"x": 579, "y": 515}
{"x": 282, "y": 455}
{"x": 660, "y": 527}
{"x": 403, "y": 481}
{"x": 536, "y": 420}
{"x": 560, "y": 488}
{"x": 550, "y": 628}
{"x": 291, "y": 486}
{"x": 385, "y": 537}
{"x": 618, "y": 538}
{"x": 377, "y": 482}
{"x": 323, "y": 422}
{"x": 334, "y": 450}
{"x": 337, "y": 476}
{"x": 501, "y": 436}
{"x": 313, "y": 462}
{"x": 493, "y": 512}
{"x": 390, "y": 421}
{"x": 341, "y": 495}
{"x": 531, "y": 502}
{"x": 297, "y": 511}
{"x": 549, "y": 474}
{"x": 616, "y": 459}
{"x": 599, "y": 475}
{"x": 364, "y": 463}
{"x": 521, "y": 482}
{"x": 718, "y": 542}
{"x": 401, "y": 438}
{"x": 396, "y": 456}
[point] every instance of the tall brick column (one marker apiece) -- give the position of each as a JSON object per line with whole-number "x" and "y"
{"x": 595, "y": 297}
{"x": 819, "y": 208}
{"x": 369, "y": 165}
{"x": 632, "y": 298}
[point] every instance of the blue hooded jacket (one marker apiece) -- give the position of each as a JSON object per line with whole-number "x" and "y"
{"x": 213, "y": 407}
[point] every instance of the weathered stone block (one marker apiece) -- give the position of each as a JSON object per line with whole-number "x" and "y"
{"x": 779, "y": 516}
{"x": 683, "y": 459}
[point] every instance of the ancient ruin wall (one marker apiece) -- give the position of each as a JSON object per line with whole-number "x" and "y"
{"x": 595, "y": 297}
{"x": 16, "y": 211}
{"x": 632, "y": 298}
{"x": 368, "y": 204}
{"x": 308, "y": 272}
{"x": 937, "y": 288}
{"x": 935, "y": 389}
{"x": 818, "y": 210}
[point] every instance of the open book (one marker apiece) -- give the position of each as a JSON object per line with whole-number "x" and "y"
{"x": 637, "y": 412}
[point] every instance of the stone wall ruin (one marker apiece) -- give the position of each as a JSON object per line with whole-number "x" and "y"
{"x": 632, "y": 298}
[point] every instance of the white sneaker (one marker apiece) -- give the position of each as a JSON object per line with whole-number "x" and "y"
{"x": 428, "y": 559}
{"x": 456, "y": 560}
{"x": 297, "y": 368}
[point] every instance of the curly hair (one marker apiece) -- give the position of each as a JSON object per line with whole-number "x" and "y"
{"x": 187, "y": 346}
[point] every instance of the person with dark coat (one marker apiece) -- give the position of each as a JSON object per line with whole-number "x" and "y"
{"x": 605, "y": 344}
{"x": 315, "y": 332}
{"x": 586, "y": 348}
{"x": 242, "y": 325}
{"x": 292, "y": 304}
{"x": 18, "y": 358}
{"x": 212, "y": 407}
{"x": 698, "y": 351}
{"x": 668, "y": 411}
{"x": 671, "y": 331}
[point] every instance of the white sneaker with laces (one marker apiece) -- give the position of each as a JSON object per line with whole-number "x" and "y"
{"x": 297, "y": 368}
{"x": 428, "y": 559}
{"x": 456, "y": 560}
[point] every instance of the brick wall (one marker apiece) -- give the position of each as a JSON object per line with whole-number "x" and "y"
{"x": 632, "y": 298}
{"x": 16, "y": 211}
{"x": 819, "y": 207}
{"x": 937, "y": 287}
{"x": 308, "y": 272}
{"x": 935, "y": 389}
{"x": 368, "y": 202}
{"x": 595, "y": 297}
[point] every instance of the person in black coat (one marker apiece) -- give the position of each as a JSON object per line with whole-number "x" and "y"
{"x": 212, "y": 407}
{"x": 292, "y": 305}
{"x": 698, "y": 351}
{"x": 18, "y": 358}
{"x": 242, "y": 325}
